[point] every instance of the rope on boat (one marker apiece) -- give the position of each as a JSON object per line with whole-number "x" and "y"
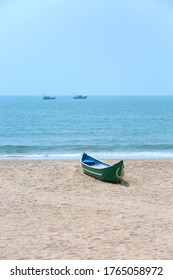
{"x": 122, "y": 174}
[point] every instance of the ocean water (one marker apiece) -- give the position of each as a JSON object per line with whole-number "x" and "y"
{"x": 104, "y": 126}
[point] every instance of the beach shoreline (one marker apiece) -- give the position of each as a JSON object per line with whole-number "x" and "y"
{"x": 50, "y": 210}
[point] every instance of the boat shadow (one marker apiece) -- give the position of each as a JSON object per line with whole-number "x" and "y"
{"x": 121, "y": 182}
{"x": 124, "y": 183}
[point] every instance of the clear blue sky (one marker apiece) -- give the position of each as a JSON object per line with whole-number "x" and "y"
{"x": 87, "y": 46}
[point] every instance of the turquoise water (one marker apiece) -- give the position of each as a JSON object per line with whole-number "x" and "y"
{"x": 106, "y": 127}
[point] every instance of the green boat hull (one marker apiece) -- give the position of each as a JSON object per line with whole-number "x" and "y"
{"x": 103, "y": 171}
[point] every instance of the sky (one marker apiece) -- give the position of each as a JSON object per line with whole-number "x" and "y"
{"x": 94, "y": 47}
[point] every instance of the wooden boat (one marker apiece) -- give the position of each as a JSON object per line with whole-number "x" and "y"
{"x": 101, "y": 170}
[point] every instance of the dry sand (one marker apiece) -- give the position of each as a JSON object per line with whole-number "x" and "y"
{"x": 51, "y": 210}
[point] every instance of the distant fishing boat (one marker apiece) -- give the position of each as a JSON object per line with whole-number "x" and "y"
{"x": 101, "y": 170}
{"x": 79, "y": 96}
{"x": 47, "y": 97}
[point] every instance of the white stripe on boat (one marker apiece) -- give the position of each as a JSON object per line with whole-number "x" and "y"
{"x": 99, "y": 174}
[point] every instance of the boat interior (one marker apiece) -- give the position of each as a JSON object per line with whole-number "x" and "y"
{"x": 94, "y": 163}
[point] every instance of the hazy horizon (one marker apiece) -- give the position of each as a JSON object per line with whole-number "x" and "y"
{"x": 89, "y": 95}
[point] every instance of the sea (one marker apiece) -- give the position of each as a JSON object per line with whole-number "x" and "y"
{"x": 110, "y": 127}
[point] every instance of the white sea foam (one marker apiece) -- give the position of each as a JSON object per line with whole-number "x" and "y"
{"x": 103, "y": 155}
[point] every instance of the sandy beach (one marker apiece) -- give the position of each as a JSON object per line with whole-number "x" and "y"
{"x": 51, "y": 210}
